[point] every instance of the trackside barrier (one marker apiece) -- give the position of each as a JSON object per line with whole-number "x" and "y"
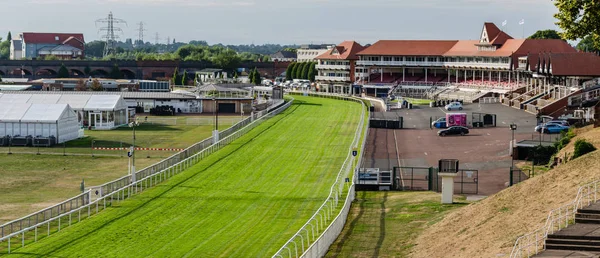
{"x": 323, "y": 228}
{"x": 534, "y": 242}
{"x": 27, "y": 230}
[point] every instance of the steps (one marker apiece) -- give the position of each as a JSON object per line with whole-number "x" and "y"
{"x": 584, "y": 236}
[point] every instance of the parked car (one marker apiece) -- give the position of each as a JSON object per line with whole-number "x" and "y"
{"x": 440, "y": 123}
{"x": 454, "y": 106}
{"x": 560, "y": 122}
{"x": 551, "y": 128}
{"x": 454, "y": 130}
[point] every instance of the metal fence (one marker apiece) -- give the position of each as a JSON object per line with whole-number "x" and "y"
{"x": 55, "y": 218}
{"x": 534, "y": 242}
{"x": 413, "y": 178}
{"x": 466, "y": 182}
{"x": 322, "y": 229}
{"x": 519, "y": 175}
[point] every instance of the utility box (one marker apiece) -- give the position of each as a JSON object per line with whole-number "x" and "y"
{"x": 456, "y": 119}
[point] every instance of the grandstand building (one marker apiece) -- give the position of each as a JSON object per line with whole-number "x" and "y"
{"x": 336, "y": 68}
{"x": 536, "y": 75}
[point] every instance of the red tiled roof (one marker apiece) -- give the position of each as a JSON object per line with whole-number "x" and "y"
{"x": 38, "y": 38}
{"x": 409, "y": 47}
{"x": 573, "y": 64}
{"x": 469, "y": 48}
{"x": 544, "y": 45}
{"x": 495, "y": 35}
{"x": 346, "y": 50}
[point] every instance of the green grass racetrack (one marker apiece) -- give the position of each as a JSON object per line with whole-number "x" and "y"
{"x": 246, "y": 200}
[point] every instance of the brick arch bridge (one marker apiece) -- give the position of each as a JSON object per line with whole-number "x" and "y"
{"x": 36, "y": 69}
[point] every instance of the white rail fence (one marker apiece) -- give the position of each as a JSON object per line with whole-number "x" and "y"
{"x": 50, "y": 220}
{"x": 323, "y": 228}
{"x": 534, "y": 242}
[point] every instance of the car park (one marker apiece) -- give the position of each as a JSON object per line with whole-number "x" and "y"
{"x": 550, "y": 128}
{"x": 454, "y": 130}
{"x": 454, "y": 106}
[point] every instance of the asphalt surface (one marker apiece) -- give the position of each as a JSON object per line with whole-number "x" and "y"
{"x": 484, "y": 149}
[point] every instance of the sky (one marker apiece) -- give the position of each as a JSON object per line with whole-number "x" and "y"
{"x": 280, "y": 21}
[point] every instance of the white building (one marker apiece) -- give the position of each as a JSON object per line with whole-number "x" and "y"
{"x": 308, "y": 53}
{"x": 16, "y": 49}
{"x": 39, "y": 121}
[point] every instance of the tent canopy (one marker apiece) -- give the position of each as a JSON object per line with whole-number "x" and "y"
{"x": 105, "y": 103}
{"x": 76, "y": 102}
{"x": 46, "y": 113}
{"x": 15, "y": 98}
{"x": 14, "y": 112}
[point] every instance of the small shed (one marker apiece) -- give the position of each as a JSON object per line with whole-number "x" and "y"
{"x": 106, "y": 111}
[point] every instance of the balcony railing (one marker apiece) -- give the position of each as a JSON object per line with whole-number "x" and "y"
{"x": 332, "y": 67}
{"x": 434, "y": 64}
{"x": 333, "y": 78}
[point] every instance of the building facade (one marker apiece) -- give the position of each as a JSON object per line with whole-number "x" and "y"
{"x": 62, "y": 45}
{"x": 336, "y": 68}
{"x": 308, "y": 53}
{"x": 16, "y": 49}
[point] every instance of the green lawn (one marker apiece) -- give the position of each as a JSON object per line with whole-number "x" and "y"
{"x": 246, "y": 200}
{"x": 32, "y": 182}
{"x": 413, "y": 101}
{"x": 386, "y": 224}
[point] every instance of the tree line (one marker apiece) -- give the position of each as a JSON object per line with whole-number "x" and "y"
{"x": 304, "y": 70}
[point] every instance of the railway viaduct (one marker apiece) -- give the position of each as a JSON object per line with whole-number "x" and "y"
{"x": 35, "y": 69}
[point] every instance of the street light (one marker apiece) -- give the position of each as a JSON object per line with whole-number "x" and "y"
{"x": 93, "y": 141}
{"x": 133, "y": 125}
{"x": 513, "y": 128}
{"x": 216, "y": 113}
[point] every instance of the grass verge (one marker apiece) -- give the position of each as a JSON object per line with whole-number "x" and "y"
{"x": 385, "y": 224}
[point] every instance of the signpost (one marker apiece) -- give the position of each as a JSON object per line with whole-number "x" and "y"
{"x": 354, "y": 152}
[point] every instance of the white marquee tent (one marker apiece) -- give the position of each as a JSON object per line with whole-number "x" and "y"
{"x": 97, "y": 111}
{"x": 39, "y": 120}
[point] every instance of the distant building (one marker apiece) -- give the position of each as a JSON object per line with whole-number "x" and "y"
{"x": 335, "y": 67}
{"x": 209, "y": 74}
{"x": 62, "y": 45}
{"x": 284, "y": 56}
{"x": 308, "y": 53}
{"x": 16, "y": 49}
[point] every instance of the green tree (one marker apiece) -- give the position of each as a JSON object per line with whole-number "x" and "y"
{"x": 63, "y": 72}
{"x": 96, "y": 85}
{"x": 50, "y": 57}
{"x": 175, "y": 78}
{"x": 251, "y": 76}
{"x": 545, "y": 34}
{"x": 227, "y": 59}
{"x": 0, "y": 78}
{"x": 87, "y": 70}
{"x": 256, "y": 77}
{"x": 9, "y": 37}
{"x": 579, "y": 19}
{"x": 184, "y": 78}
{"x": 294, "y": 70}
{"x": 115, "y": 72}
{"x": 587, "y": 45}
{"x": 304, "y": 73}
{"x": 289, "y": 49}
{"x": 312, "y": 71}
{"x": 289, "y": 71}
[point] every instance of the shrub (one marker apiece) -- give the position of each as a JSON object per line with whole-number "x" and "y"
{"x": 565, "y": 138}
{"x": 541, "y": 155}
{"x": 582, "y": 147}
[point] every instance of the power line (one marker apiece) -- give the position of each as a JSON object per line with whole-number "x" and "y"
{"x": 156, "y": 39}
{"x": 141, "y": 30}
{"x": 110, "y": 37}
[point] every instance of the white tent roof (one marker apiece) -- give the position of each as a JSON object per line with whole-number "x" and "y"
{"x": 43, "y": 99}
{"x": 45, "y": 113}
{"x": 14, "y": 98}
{"x": 84, "y": 102}
{"x": 14, "y": 112}
{"x": 105, "y": 103}
{"x": 77, "y": 102}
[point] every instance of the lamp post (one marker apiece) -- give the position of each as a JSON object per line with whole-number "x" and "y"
{"x": 132, "y": 154}
{"x": 93, "y": 141}
{"x": 513, "y": 128}
{"x": 216, "y": 113}
{"x": 9, "y": 144}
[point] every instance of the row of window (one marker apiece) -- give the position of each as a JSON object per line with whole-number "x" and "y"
{"x": 335, "y": 63}
{"x": 503, "y": 60}
{"x": 308, "y": 53}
